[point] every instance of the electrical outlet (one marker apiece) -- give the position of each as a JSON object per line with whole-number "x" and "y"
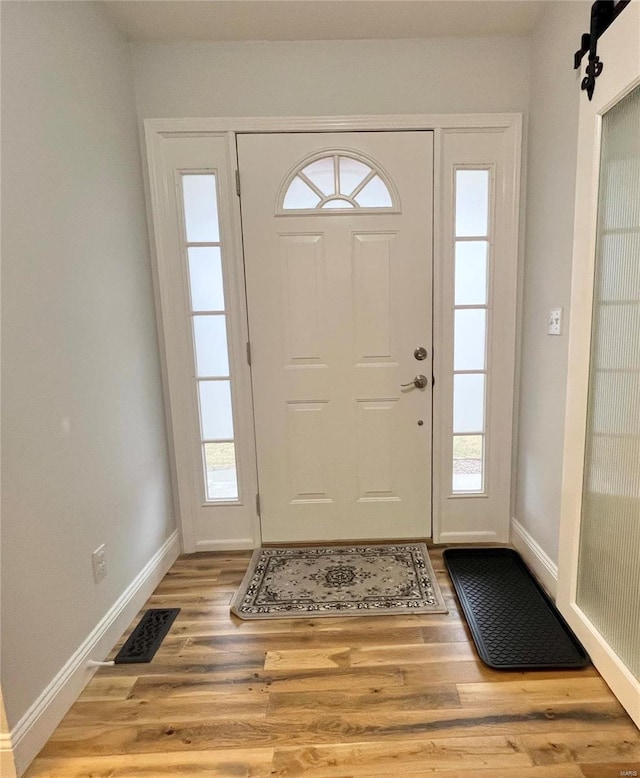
{"x": 554, "y": 326}
{"x": 99, "y": 560}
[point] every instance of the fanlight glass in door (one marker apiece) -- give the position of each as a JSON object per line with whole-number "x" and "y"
{"x": 208, "y": 314}
{"x": 472, "y": 242}
{"x": 608, "y": 587}
{"x": 337, "y": 182}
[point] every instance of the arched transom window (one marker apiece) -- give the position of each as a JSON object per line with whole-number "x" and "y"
{"x": 337, "y": 181}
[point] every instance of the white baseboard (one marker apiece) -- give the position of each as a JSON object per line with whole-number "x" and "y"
{"x": 541, "y": 564}
{"x": 38, "y": 723}
{"x": 241, "y": 544}
{"x": 7, "y": 765}
{"x": 467, "y": 537}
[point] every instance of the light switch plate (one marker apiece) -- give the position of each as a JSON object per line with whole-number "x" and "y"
{"x": 99, "y": 562}
{"x": 554, "y": 326}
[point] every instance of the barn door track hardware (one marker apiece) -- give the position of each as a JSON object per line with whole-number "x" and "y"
{"x": 603, "y": 14}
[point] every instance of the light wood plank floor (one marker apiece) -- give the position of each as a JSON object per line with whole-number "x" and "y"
{"x": 330, "y": 698}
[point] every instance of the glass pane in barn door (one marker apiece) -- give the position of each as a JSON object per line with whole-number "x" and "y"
{"x": 608, "y": 589}
{"x": 212, "y": 380}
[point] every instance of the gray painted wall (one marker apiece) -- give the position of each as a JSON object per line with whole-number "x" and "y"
{"x": 84, "y": 458}
{"x": 551, "y": 167}
{"x": 440, "y": 75}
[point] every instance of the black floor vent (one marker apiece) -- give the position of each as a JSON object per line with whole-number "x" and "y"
{"x": 146, "y": 638}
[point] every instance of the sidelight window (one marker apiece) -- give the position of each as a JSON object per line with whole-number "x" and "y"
{"x": 208, "y": 317}
{"x": 471, "y": 306}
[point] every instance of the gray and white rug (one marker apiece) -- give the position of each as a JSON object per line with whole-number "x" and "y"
{"x": 355, "y": 580}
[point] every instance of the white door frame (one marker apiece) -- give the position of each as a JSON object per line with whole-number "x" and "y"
{"x": 621, "y": 74}
{"x": 509, "y": 124}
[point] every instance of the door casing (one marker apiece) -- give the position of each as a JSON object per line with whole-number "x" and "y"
{"x": 159, "y": 132}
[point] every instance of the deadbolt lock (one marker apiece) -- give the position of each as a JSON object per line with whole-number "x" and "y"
{"x": 420, "y": 353}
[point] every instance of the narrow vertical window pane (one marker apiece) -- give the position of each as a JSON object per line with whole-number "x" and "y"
{"x": 221, "y": 476}
{"x": 469, "y": 339}
{"x": 623, "y": 280}
{"x": 468, "y": 403}
{"x": 619, "y": 177}
{"x": 471, "y": 272}
{"x": 613, "y": 322}
{"x": 210, "y": 333}
{"x": 472, "y": 203}
{"x": 468, "y": 464}
{"x": 205, "y": 279}
{"x": 200, "y": 208}
{"x": 216, "y": 417}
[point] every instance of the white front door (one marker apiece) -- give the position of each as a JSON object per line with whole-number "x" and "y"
{"x": 338, "y": 255}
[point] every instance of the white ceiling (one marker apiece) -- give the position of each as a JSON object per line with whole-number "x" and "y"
{"x": 241, "y": 20}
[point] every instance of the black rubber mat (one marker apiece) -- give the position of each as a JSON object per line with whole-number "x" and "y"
{"x": 514, "y": 624}
{"x": 146, "y": 638}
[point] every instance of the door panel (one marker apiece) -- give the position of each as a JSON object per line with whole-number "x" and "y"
{"x": 308, "y": 450}
{"x": 376, "y": 423}
{"x": 598, "y": 559}
{"x": 302, "y": 279}
{"x": 338, "y": 300}
{"x": 371, "y": 269}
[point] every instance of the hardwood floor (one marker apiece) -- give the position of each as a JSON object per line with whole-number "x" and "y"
{"x": 330, "y": 698}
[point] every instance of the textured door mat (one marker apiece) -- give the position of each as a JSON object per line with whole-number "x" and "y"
{"x": 514, "y": 625}
{"x": 145, "y": 640}
{"x": 355, "y": 580}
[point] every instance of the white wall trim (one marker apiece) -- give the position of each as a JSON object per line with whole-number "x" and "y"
{"x": 7, "y": 766}
{"x": 541, "y": 564}
{"x": 38, "y": 723}
{"x": 467, "y": 537}
{"x": 498, "y": 121}
{"x": 240, "y": 544}
{"x": 160, "y": 132}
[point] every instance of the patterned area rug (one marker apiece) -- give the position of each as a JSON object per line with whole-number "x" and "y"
{"x": 333, "y": 580}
